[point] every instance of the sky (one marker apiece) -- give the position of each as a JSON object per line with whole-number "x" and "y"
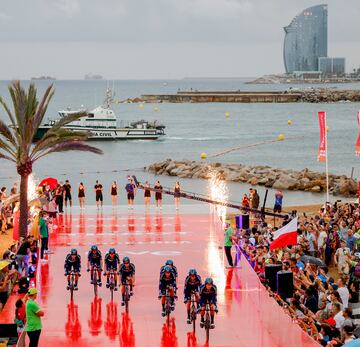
{"x": 160, "y": 39}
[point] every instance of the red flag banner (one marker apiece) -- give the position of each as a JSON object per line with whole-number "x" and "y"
{"x": 322, "y": 144}
{"x": 357, "y": 146}
{"x": 285, "y": 236}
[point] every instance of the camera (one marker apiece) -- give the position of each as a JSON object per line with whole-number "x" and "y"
{"x": 12, "y": 256}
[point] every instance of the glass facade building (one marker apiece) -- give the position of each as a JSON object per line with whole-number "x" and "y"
{"x": 332, "y": 66}
{"x": 306, "y": 39}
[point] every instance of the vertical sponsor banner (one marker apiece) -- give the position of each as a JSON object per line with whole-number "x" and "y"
{"x": 357, "y": 146}
{"x": 322, "y": 145}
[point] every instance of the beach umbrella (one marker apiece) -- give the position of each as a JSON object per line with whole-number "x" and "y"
{"x": 3, "y": 264}
{"x": 312, "y": 260}
{"x": 11, "y": 199}
{"x": 50, "y": 181}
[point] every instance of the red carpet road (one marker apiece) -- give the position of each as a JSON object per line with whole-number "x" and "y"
{"x": 247, "y": 316}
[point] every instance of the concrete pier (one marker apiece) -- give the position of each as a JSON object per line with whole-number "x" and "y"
{"x": 223, "y": 96}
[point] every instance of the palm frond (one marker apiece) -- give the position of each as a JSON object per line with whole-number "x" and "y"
{"x": 19, "y": 101}
{"x": 6, "y": 133}
{"x": 70, "y": 146}
{"x": 8, "y": 111}
{"x": 7, "y": 148}
{"x": 62, "y": 136}
{"x": 68, "y": 119}
{"x": 6, "y": 157}
{"x": 31, "y": 106}
{"x": 31, "y": 102}
{"x": 11, "y": 117}
{"x": 43, "y": 105}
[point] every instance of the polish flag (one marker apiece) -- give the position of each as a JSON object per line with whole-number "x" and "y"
{"x": 285, "y": 236}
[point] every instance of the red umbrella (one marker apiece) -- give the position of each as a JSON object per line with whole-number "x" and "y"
{"x": 50, "y": 181}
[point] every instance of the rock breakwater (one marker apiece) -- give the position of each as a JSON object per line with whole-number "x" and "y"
{"x": 267, "y": 176}
{"x": 320, "y": 95}
{"x": 330, "y": 95}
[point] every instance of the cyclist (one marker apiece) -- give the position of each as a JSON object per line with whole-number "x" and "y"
{"x": 208, "y": 294}
{"x": 94, "y": 258}
{"x": 72, "y": 261}
{"x": 112, "y": 262}
{"x": 167, "y": 279}
{"x": 192, "y": 284}
{"x": 127, "y": 273}
{"x": 170, "y": 263}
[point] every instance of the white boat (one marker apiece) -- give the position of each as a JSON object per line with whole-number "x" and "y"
{"x": 101, "y": 123}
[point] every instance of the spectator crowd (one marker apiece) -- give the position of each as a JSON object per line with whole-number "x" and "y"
{"x": 325, "y": 295}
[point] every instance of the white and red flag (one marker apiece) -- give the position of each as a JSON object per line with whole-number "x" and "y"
{"x": 357, "y": 146}
{"x": 322, "y": 155}
{"x": 285, "y": 236}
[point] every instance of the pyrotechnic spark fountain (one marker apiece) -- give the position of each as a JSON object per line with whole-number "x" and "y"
{"x": 32, "y": 193}
{"x": 218, "y": 192}
{"x": 32, "y": 188}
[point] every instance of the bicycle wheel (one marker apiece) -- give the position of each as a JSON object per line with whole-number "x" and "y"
{"x": 168, "y": 309}
{"x": 95, "y": 282}
{"x": 127, "y": 298}
{"x": 193, "y": 317}
{"x": 72, "y": 287}
{"x": 207, "y": 326}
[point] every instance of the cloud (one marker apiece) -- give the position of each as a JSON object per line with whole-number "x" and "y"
{"x": 214, "y": 8}
{"x": 5, "y": 18}
{"x": 235, "y": 35}
{"x": 69, "y": 7}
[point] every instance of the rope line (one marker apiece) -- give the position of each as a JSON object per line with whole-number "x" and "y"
{"x": 253, "y": 145}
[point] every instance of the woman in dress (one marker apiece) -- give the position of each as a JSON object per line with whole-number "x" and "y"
{"x": 147, "y": 194}
{"x": 81, "y": 195}
{"x": 113, "y": 193}
{"x": 177, "y": 195}
{"x": 158, "y": 194}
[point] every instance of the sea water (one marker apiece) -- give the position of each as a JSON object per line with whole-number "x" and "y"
{"x": 194, "y": 128}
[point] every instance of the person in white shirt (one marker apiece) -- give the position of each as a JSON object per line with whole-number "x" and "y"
{"x": 311, "y": 239}
{"x": 321, "y": 242}
{"x": 340, "y": 258}
{"x": 338, "y": 316}
{"x": 343, "y": 292}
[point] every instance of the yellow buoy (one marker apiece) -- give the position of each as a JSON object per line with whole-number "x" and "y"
{"x": 141, "y": 105}
{"x": 203, "y": 155}
{"x": 156, "y": 109}
{"x": 281, "y": 137}
{"x": 327, "y": 129}
{"x": 289, "y": 121}
{"x": 227, "y": 114}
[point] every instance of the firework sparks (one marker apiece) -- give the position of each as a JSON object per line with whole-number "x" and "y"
{"x": 33, "y": 195}
{"x": 218, "y": 192}
{"x": 32, "y": 188}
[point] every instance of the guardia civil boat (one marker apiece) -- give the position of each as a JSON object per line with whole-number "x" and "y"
{"x": 101, "y": 124}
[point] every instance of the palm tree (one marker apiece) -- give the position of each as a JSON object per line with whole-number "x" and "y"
{"x": 16, "y": 140}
